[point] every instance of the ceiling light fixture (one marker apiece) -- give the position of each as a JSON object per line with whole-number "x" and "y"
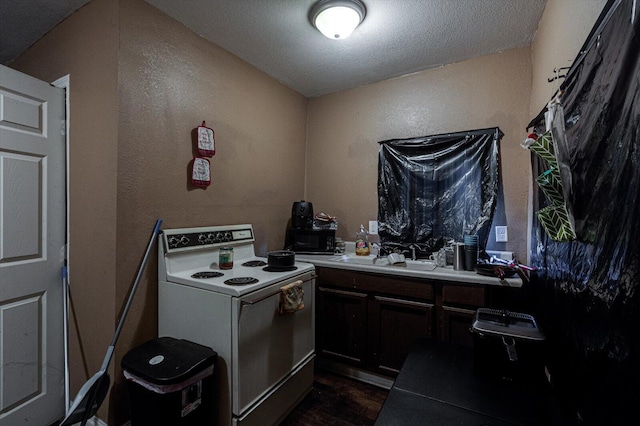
{"x": 336, "y": 19}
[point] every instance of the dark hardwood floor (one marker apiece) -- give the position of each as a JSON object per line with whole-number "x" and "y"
{"x": 337, "y": 401}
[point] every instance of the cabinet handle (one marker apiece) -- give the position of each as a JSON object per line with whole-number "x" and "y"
{"x": 458, "y": 310}
{"x": 403, "y": 302}
{"x": 342, "y": 292}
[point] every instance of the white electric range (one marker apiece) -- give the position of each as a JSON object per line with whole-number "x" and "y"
{"x": 265, "y": 359}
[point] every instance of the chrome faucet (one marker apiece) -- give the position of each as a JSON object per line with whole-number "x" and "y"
{"x": 377, "y": 246}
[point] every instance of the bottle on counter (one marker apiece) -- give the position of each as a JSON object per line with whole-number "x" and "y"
{"x": 362, "y": 242}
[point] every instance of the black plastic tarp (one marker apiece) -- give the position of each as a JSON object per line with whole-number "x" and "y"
{"x": 438, "y": 186}
{"x": 588, "y": 289}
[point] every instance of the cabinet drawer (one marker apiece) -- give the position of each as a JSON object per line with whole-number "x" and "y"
{"x": 336, "y": 278}
{"x": 397, "y": 286}
{"x": 463, "y": 295}
{"x": 375, "y": 283}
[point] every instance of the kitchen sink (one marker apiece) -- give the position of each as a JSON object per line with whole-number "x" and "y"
{"x": 415, "y": 265}
{"x": 361, "y": 260}
{"x": 418, "y": 265}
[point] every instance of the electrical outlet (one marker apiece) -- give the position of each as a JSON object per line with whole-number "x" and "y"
{"x": 373, "y": 227}
{"x": 501, "y": 234}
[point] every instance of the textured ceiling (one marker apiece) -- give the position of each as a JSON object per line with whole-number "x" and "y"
{"x": 397, "y": 37}
{"x": 23, "y": 22}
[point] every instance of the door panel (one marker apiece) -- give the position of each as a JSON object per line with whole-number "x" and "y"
{"x": 394, "y": 327}
{"x": 456, "y": 323}
{"x": 21, "y": 112}
{"x": 21, "y": 208}
{"x": 21, "y": 324}
{"x": 342, "y": 327}
{"x": 32, "y": 238}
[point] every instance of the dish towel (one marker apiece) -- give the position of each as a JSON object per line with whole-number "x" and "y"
{"x": 291, "y": 297}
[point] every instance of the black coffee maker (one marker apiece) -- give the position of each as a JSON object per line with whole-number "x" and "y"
{"x": 302, "y": 215}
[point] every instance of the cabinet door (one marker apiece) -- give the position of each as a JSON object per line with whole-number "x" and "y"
{"x": 394, "y": 325}
{"x": 459, "y": 305}
{"x": 456, "y": 324}
{"x": 341, "y": 325}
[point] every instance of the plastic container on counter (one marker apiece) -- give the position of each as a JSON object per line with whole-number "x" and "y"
{"x": 225, "y": 258}
{"x": 362, "y": 242}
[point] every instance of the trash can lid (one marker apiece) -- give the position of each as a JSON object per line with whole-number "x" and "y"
{"x": 166, "y": 360}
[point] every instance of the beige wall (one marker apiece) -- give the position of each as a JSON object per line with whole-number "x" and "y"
{"x": 85, "y": 46}
{"x": 344, "y": 128}
{"x": 506, "y": 90}
{"x": 563, "y": 29}
{"x": 171, "y": 80}
{"x": 140, "y": 83}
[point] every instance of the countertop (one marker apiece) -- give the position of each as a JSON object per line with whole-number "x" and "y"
{"x": 439, "y": 385}
{"x": 439, "y": 273}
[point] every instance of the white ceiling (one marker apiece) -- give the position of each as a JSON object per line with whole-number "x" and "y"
{"x": 397, "y": 37}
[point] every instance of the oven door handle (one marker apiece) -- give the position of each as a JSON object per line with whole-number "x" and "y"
{"x": 244, "y": 302}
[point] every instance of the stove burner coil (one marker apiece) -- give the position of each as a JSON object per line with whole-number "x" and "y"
{"x": 241, "y": 281}
{"x": 207, "y": 274}
{"x": 253, "y": 263}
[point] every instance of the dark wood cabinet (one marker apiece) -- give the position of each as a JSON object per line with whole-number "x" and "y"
{"x": 370, "y": 321}
{"x": 394, "y": 325}
{"x": 457, "y": 310}
{"x": 456, "y": 323}
{"x": 341, "y": 325}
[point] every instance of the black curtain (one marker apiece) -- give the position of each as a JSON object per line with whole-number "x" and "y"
{"x": 438, "y": 186}
{"x": 588, "y": 290}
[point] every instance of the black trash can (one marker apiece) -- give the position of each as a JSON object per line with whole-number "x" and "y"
{"x": 170, "y": 382}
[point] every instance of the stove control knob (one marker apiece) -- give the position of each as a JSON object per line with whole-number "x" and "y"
{"x": 173, "y": 241}
{"x": 184, "y": 240}
{"x": 227, "y": 236}
{"x": 211, "y": 238}
{"x": 202, "y": 238}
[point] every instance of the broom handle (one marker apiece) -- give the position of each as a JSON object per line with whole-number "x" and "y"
{"x": 65, "y": 308}
{"x": 156, "y": 231}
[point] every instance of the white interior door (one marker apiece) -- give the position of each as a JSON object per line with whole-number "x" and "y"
{"x": 32, "y": 239}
